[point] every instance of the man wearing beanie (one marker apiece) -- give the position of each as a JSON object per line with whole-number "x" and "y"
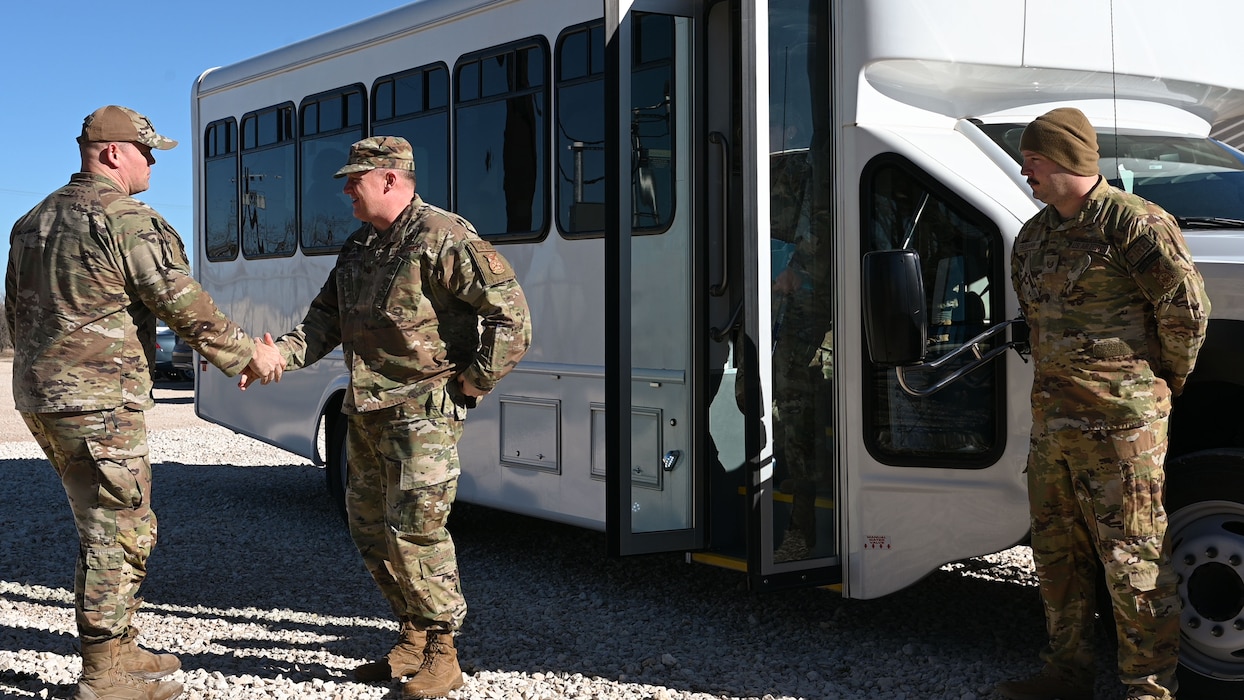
{"x": 1116, "y": 313}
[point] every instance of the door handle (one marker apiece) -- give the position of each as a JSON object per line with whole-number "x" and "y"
{"x": 719, "y": 139}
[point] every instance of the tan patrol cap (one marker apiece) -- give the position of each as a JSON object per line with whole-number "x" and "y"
{"x": 392, "y": 152}
{"x": 115, "y": 123}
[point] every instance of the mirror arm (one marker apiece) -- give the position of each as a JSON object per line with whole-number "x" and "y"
{"x": 973, "y": 346}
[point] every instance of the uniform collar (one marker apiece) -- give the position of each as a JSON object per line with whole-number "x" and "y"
{"x": 1089, "y": 211}
{"x": 97, "y": 179}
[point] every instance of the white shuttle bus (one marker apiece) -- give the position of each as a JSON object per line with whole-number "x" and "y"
{"x": 652, "y": 167}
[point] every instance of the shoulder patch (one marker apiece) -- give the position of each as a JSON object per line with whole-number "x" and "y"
{"x": 492, "y": 266}
{"x": 1142, "y": 253}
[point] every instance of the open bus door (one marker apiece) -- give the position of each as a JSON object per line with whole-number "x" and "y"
{"x": 654, "y": 468}
{"x": 691, "y": 317}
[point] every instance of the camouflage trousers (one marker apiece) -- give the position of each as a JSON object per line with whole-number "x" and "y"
{"x": 403, "y": 477}
{"x": 101, "y": 458}
{"x": 1096, "y": 496}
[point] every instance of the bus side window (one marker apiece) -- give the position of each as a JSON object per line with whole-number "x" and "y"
{"x": 414, "y": 104}
{"x": 269, "y": 183}
{"x": 501, "y": 105}
{"x": 329, "y": 123}
{"x": 220, "y": 190}
{"x": 580, "y": 166}
{"x": 960, "y": 256}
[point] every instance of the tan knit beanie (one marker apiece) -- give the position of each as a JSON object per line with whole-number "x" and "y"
{"x": 1065, "y": 136}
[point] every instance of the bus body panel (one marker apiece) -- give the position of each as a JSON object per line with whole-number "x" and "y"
{"x": 939, "y": 512}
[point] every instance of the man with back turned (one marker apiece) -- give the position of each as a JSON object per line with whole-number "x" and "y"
{"x": 90, "y": 270}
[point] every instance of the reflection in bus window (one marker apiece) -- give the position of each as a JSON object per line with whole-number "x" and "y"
{"x": 801, "y": 247}
{"x": 415, "y": 105}
{"x": 960, "y": 257}
{"x": 268, "y": 183}
{"x": 581, "y": 130}
{"x": 652, "y": 116}
{"x": 220, "y": 190}
{"x": 500, "y": 112}
{"x": 329, "y": 123}
{"x": 581, "y": 127}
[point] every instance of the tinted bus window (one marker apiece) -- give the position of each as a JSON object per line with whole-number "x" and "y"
{"x": 501, "y": 183}
{"x": 328, "y": 124}
{"x": 220, "y": 190}
{"x": 415, "y": 106}
{"x": 269, "y": 187}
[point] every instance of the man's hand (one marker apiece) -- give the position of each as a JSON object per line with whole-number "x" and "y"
{"x": 266, "y": 365}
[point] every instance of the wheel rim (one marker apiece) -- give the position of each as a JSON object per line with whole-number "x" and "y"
{"x": 1209, "y": 560}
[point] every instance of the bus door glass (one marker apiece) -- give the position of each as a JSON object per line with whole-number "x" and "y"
{"x": 797, "y": 528}
{"x": 653, "y": 467}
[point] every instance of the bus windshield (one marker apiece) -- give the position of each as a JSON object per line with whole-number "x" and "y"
{"x": 1198, "y": 180}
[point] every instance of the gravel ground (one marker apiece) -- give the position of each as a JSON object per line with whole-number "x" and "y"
{"x": 256, "y": 587}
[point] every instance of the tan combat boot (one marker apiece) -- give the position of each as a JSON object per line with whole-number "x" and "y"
{"x": 103, "y": 678}
{"x": 440, "y": 672}
{"x": 142, "y": 664}
{"x": 404, "y": 659}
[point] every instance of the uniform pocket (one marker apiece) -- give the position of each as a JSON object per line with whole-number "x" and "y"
{"x": 1140, "y": 453}
{"x": 1133, "y": 563}
{"x": 103, "y": 577}
{"x": 123, "y": 473}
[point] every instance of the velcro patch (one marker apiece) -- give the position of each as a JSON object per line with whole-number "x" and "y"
{"x": 492, "y": 266}
{"x": 1110, "y": 347}
{"x": 1141, "y": 253}
{"x": 1090, "y": 246}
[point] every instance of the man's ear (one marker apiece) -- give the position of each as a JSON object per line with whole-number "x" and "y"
{"x": 110, "y": 155}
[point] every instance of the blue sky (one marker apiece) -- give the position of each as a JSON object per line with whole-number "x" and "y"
{"x": 62, "y": 60}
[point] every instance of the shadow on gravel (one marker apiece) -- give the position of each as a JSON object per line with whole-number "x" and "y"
{"x": 251, "y": 553}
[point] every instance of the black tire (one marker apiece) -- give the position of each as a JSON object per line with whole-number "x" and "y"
{"x": 1205, "y": 508}
{"x": 335, "y": 466}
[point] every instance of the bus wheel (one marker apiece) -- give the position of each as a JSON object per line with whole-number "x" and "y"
{"x": 335, "y": 469}
{"x": 1205, "y": 506}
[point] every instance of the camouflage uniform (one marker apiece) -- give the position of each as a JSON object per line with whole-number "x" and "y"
{"x": 405, "y": 306}
{"x": 1117, "y": 313}
{"x": 90, "y": 269}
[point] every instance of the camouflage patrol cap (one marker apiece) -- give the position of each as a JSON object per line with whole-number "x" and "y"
{"x": 115, "y": 123}
{"x": 392, "y": 152}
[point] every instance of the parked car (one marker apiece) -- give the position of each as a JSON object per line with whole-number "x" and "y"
{"x": 183, "y": 359}
{"x": 166, "y": 341}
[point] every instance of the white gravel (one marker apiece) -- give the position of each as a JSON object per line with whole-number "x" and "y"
{"x": 256, "y": 586}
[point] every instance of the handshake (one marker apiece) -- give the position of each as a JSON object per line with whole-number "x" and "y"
{"x": 265, "y": 366}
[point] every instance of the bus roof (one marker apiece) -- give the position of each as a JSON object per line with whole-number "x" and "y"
{"x": 386, "y": 26}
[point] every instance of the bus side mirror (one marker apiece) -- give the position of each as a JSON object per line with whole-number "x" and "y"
{"x": 895, "y": 325}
